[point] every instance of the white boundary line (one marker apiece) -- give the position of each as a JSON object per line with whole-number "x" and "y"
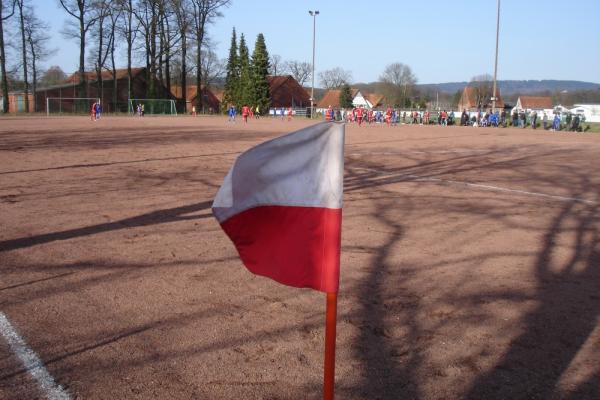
{"x": 482, "y": 186}
{"x": 525, "y": 192}
{"x": 31, "y": 361}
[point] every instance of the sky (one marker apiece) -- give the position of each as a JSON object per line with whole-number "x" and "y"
{"x": 442, "y": 41}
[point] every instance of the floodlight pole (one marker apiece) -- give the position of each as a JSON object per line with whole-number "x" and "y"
{"x": 312, "y": 88}
{"x": 496, "y": 62}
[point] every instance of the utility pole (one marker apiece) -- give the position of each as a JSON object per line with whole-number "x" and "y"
{"x": 312, "y": 88}
{"x": 494, "y": 98}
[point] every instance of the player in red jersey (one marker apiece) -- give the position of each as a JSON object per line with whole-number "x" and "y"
{"x": 388, "y": 116}
{"x": 359, "y": 115}
{"x": 245, "y": 113}
{"x": 93, "y": 111}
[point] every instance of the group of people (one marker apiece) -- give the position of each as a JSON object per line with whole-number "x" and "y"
{"x": 519, "y": 119}
{"x": 96, "y": 111}
{"x": 498, "y": 118}
{"x": 254, "y": 112}
{"x": 140, "y": 110}
{"x": 389, "y": 116}
{"x": 246, "y": 112}
{"x": 282, "y": 112}
{"x": 359, "y": 115}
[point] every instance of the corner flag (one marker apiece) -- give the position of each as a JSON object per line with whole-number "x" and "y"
{"x": 281, "y": 205}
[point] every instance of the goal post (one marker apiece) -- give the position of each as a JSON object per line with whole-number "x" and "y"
{"x": 69, "y": 105}
{"x": 152, "y": 106}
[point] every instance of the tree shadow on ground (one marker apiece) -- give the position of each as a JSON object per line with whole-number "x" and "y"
{"x": 554, "y": 332}
{"x": 147, "y": 219}
{"x": 111, "y": 163}
{"x": 135, "y": 137}
{"x": 566, "y": 315}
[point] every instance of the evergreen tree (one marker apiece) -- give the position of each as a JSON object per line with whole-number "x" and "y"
{"x": 260, "y": 71}
{"x": 232, "y": 77}
{"x": 244, "y": 84}
{"x": 346, "y": 96}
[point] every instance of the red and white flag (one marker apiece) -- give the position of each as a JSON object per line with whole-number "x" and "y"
{"x": 281, "y": 205}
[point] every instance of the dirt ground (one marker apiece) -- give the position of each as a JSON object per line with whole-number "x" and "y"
{"x": 470, "y": 265}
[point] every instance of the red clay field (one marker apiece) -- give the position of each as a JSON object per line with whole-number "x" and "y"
{"x": 470, "y": 266}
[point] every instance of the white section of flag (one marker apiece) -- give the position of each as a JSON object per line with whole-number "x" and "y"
{"x": 304, "y": 169}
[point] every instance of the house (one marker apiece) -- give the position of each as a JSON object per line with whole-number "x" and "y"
{"x": 16, "y": 102}
{"x": 375, "y": 100}
{"x": 437, "y": 105}
{"x": 72, "y": 88}
{"x": 531, "y": 103}
{"x": 286, "y": 92}
{"x": 470, "y": 100}
{"x": 591, "y": 112}
{"x": 210, "y": 102}
{"x": 332, "y": 99}
{"x": 219, "y": 94}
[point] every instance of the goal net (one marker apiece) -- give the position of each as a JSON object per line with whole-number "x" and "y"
{"x": 152, "y": 106}
{"x": 69, "y": 105}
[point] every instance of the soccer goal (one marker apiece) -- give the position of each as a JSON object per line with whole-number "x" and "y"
{"x": 69, "y": 105}
{"x": 152, "y": 106}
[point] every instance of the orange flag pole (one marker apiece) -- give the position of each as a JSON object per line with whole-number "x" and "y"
{"x": 330, "y": 325}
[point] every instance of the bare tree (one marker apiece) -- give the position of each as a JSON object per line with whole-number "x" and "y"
{"x": 170, "y": 37}
{"x": 3, "y": 52}
{"x": 334, "y": 78}
{"x": 128, "y": 31}
{"x": 37, "y": 41}
{"x": 80, "y": 10}
{"x": 300, "y": 70}
{"x": 164, "y": 54}
{"x": 399, "y": 82}
{"x": 203, "y": 13}
{"x": 276, "y": 64}
{"x": 53, "y": 76}
{"x": 103, "y": 36}
{"x": 212, "y": 67}
{"x": 180, "y": 8}
{"x": 147, "y": 13}
{"x": 21, "y": 7}
{"x": 483, "y": 89}
{"x": 115, "y": 16}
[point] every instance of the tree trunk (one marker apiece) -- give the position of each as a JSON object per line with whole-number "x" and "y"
{"x": 3, "y": 64}
{"x": 184, "y": 69}
{"x": 82, "y": 78}
{"x": 148, "y": 69}
{"x": 198, "y": 78}
{"x": 129, "y": 36}
{"x": 152, "y": 39}
{"x": 199, "y": 41}
{"x": 34, "y": 72}
{"x": 161, "y": 51}
{"x": 99, "y": 63}
{"x": 114, "y": 70}
{"x": 24, "y": 47}
{"x": 168, "y": 57}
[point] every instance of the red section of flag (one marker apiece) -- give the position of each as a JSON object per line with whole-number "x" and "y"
{"x": 296, "y": 246}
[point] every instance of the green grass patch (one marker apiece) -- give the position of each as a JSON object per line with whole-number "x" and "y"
{"x": 593, "y": 127}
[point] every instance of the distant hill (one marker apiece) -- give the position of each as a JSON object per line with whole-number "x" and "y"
{"x": 565, "y": 92}
{"x": 509, "y": 87}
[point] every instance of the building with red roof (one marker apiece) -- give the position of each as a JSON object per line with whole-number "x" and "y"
{"x": 286, "y": 92}
{"x": 534, "y": 103}
{"x": 473, "y": 99}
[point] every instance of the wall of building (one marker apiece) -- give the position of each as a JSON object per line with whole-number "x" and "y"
{"x": 591, "y": 112}
{"x": 16, "y": 103}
